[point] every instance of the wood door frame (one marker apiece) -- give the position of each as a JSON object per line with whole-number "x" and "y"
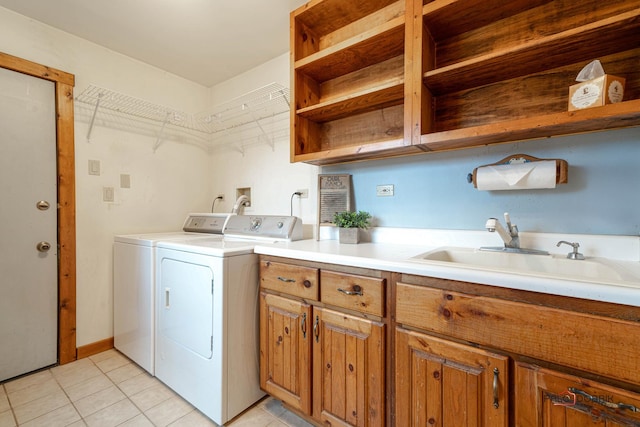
{"x": 64, "y": 83}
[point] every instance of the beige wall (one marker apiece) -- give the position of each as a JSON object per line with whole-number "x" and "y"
{"x": 178, "y": 178}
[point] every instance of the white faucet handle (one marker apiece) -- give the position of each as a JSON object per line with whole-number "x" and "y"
{"x": 507, "y": 219}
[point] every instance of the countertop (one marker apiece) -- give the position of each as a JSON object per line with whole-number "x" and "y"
{"x": 382, "y": 254}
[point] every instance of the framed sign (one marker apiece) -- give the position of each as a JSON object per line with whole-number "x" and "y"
{"x": 334, "y": 195}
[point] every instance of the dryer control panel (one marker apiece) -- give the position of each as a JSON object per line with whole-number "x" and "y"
{"x": 272, "y": 227}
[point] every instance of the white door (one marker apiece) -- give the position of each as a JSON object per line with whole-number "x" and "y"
{"x": 28, "y": 270}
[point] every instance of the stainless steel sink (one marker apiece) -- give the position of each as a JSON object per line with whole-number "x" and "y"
{"x": 591, "y": 269}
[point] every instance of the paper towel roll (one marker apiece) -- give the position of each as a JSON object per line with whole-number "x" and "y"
{"x": 517, "y": 176}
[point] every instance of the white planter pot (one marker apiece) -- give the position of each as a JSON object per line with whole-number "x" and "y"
{"x": 349, "y": 235}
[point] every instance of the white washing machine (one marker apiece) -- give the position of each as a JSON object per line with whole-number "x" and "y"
{"x": 134, "y": 284}
{"x": 207, "y": 335}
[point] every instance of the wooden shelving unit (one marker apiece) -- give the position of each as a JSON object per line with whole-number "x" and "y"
{"x": 348, "y": 79}
{"x": 384, "y": 78}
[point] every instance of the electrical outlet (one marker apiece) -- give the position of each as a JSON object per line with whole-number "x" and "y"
{"x": 221, "y": 197}
{"x": 384, "y": 190}
{"x": 107, "y": 194}
{"x": 304, "y": 194}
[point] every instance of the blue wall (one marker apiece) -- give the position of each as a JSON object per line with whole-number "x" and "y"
{"x": 431, "y": 190}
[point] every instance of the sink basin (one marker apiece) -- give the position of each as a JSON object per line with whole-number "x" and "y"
{"x": 591, "y": 269}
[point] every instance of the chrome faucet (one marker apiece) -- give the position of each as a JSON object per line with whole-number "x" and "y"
{"x": 509, "y": 236}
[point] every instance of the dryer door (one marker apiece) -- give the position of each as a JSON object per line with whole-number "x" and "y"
{"x": 186, "y": 305}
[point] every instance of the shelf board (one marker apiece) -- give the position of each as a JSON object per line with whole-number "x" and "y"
{"x": 577, "y": 44}
{"x": 382, "y": 96}
{"x": 368, "y": 48}
{"x": 623, "y": 114}
{"x": 330, "y": 15}
{"x": 367, "y": 151}
{"x": 446, "y": 18}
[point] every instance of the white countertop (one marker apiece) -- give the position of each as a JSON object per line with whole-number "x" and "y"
{"x": 389, "y": 255}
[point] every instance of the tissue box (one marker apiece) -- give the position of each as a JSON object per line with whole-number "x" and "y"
{"x": 600, "y": 91}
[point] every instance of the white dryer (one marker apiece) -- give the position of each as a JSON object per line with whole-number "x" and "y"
{"x": 134, "y": 284}
{"x": 207, "y": 336}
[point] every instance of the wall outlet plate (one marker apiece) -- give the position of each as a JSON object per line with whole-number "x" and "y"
{"x": 384, "y": 190}
{"x": 304, "y": 193}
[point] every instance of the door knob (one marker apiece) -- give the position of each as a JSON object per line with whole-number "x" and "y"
{"x": 43, "y": 205}
{"x": 43, "y": 246}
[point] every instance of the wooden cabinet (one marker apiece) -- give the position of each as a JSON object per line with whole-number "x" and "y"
{"x": 348, "y": 370}
{"x": 322, "y": 352}
{"x": 373, "y": 79}
{"x": 442, "y": 383}
{"x": 547, "y": 398}
{"x": 465, "y": 331}
{"x": 285, "y": 350}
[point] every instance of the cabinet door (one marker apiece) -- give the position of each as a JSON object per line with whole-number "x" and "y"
{"x": 285, "y": 350}
{"x": 445, "y": 384}
{"x": 348, "y": 370}
{"x": 546, "y": 398}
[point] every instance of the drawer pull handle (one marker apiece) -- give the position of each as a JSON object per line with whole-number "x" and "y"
{"x": 596, "y": 399}
{"x": 357, "y": 290}
{"x": 496, "y": 372}
{"x": 303, "y": 325}
{"x": 286, "y": 280}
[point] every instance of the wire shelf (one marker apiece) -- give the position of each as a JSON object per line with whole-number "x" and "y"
{"x": 268, "y": 101}
{"x": 248, "y": 116}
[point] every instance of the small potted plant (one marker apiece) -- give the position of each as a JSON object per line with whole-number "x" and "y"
{"x": 349, "y": 225}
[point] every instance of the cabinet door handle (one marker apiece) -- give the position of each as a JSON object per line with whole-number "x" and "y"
{"x": 357, "y": 290}
{"x": 286, "y": 280}
{"x": 316, "y": 329}
{"x": 496, "y": 373}
{"x": 303, "y": 325}
{"x": 596, "y": 399}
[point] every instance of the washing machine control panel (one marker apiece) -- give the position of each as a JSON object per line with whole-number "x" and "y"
{"x": 212, "y": 223}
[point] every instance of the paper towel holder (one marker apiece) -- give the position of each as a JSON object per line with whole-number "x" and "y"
{"x": 562, "y": 167}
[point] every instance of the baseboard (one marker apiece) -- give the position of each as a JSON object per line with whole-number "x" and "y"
{"x": 94, "y": 348}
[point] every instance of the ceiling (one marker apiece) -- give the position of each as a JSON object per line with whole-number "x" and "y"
{"x": 205, "y": 41}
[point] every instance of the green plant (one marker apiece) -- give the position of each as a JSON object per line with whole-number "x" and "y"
{"x": 360, "y": 219}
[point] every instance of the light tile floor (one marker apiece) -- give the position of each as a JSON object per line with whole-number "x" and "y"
{"x": 108, "y": 390}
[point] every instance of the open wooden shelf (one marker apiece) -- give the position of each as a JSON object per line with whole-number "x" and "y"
{"x": 371, "y": 47}
{"x": 347, "y": 79}
{"x": 610, "y": 116}
{"x": 577, "y": 44}
{"x": 356, "y": 153}
{"x": 381, "y": 78}
{"x": 385, "y": 95}
{"x": 445, "y": 18}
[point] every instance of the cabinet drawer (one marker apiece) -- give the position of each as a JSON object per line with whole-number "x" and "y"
{"x": 289, "y": 279}
{"x": 361, "y": 293}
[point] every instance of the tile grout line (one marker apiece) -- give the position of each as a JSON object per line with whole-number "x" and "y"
{"x": 126, "y": 396}
{"x": 6, "y": 395}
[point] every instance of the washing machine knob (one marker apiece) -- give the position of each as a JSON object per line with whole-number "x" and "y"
{"x": 280, "y": 224}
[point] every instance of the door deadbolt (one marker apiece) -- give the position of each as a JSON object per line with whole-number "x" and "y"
{"x": 43, "y": 205}
{"x": 43, "y": 246}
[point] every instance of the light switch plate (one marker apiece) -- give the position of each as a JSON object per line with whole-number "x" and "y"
{"x": 107, "y": 194}
{"x": 125, "y": 180}
{"x": 94, "y": 167}
{"x": 384, "y": 190}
